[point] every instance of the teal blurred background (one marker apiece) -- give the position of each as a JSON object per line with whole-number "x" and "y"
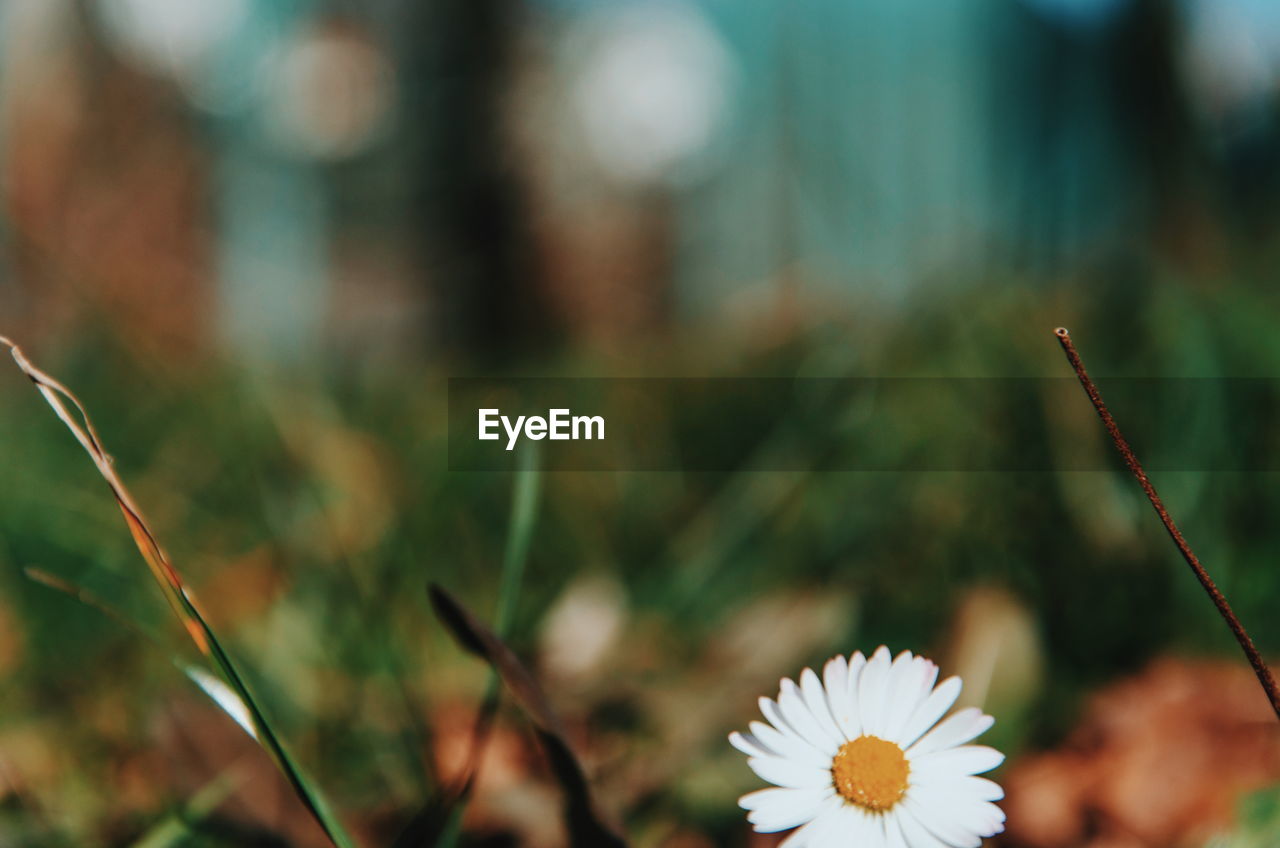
{"x": 257, "y": 238}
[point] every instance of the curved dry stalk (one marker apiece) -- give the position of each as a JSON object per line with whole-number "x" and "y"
{"x": 180, "y": 599}
{"x": 588, "y": 827}
{"x": 1251, "y": 652}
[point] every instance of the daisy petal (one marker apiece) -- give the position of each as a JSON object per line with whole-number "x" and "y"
{"x": 967, "y": 759}
{"x": 815, "y": 698}
{"x": 872, "y": 688}
{"x": 916, "y": 834}
{"x": 835, "y": 679}
{"x": 773, "y": 712}
{"x": 794, "y": 709}
{"x": 772, "y": 810}
{"x": 807, "y": 836}
{"x": 861, "y": 829}
{"x": 930, "y": 678}
{"x": 835, "y": 673}
{"x": 966, "y": 786}
{"x": 893, "y": 837}
{"x": 835, "y": 829}
{"x": 993, "y": 819}
{"x": 940, "y": 818}
{"x": 928, "y": 713}
{"x": 963, "y": 726}
{"x": 784, "y": 745}
{"x": 962, "y": 810}
{"x": 980, "y": 788}
{"x": 789, "y": 774}
{"x": 750, "y": 745}
{"x": 983, "y": 818}
{"x": 857, "y": 665}
{"x": 798, "y": 838}
{"x": 905, "y": 679}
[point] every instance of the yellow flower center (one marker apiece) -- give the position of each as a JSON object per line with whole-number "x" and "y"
{"x": 871, "y": 772}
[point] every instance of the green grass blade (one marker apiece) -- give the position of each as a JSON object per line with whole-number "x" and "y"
{"x": 525, "y": 498}
{"x": 180, "y": 599}
{"x": 176, "y": 828}
{"x": 524, "y": 511}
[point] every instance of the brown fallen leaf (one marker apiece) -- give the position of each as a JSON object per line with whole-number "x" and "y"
{"x": 1159, "y": 759}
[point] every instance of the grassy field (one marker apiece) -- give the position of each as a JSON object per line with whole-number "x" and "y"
{"x": 309, "y": 512}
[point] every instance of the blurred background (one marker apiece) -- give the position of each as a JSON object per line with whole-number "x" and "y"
{"x": 257, "y": 237}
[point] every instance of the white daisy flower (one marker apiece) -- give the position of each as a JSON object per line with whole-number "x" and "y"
{"x": 859, "y": 759}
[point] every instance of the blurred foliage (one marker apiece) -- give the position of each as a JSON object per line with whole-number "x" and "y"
{"x": 309, "y": 511}
{"x": 1259, "y": 822}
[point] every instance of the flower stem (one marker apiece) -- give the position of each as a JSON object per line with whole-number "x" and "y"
{"x": 1260, "y": 668}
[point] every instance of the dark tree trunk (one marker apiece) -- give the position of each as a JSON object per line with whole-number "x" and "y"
{"x": 479, "y": 254}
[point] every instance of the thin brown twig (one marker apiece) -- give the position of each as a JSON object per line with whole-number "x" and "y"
{"x": 1260, "y": 668}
